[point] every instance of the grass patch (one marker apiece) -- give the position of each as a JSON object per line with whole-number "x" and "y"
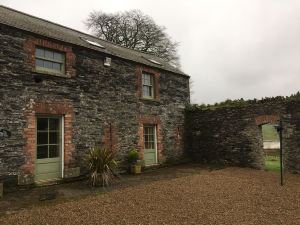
{"x": 272, "y": 163}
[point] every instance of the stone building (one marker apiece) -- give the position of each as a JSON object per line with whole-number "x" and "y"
{"x": 63, "y": 91}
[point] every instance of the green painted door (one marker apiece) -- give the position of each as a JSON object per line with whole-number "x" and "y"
{"x": 150, "y": 154}
{"x": 48, "y": 148}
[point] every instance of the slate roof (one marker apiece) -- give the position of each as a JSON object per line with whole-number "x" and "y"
{"x": 26, "y": 22}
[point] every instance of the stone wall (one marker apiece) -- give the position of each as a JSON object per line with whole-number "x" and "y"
{"x": 104, "y": 104}
{"x": 231, "y": 134}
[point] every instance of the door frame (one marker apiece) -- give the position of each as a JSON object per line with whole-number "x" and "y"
{"x": 61, "y": 121}
{"x": 155, "y": 142}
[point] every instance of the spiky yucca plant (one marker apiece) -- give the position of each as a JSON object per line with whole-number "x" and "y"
{"x": 101, "y": 164}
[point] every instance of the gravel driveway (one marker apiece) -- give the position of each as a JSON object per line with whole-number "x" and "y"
{"x": 227, "y": 196}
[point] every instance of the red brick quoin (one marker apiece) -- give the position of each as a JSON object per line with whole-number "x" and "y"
{"x": 33, "y": 109}
{"x": 30, "y": 45}
{"x": 264, "y": 119}
{"x": 110, "y": 137}
{"x": 150, "y": 120}
{"x": 139, "y": 72}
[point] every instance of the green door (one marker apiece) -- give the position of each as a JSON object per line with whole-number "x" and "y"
{"x": 48, "y": 150}
{"x": 150, "y": 154}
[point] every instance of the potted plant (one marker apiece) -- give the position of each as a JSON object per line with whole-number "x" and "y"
{"x": 135, "y": 163}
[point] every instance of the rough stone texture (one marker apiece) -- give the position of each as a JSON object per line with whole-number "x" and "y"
{"x": 25, "y": 179}
{"x": 1, "y": 190}
{"x": 99, "y": 96}
{"x": 72, "y": 172}
{"x": 232, "y": 135}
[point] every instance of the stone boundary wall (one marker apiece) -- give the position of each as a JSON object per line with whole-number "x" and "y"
{"x": 231, "y": 135}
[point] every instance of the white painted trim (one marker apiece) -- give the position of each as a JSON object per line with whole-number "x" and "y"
{"x": 155, "y": 141}
{"x": 62, "y": 146}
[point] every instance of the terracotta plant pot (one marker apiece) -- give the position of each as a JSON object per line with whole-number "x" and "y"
{"x": 136, "y": 169}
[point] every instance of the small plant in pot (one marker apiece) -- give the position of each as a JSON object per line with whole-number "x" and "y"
{"x": 135, "y": 163}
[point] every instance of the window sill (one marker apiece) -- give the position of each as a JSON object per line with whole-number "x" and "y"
{"x": 149, "y": 100}
{"x": 45, "y": 72}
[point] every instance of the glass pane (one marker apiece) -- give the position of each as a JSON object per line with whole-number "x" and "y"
{"x": 42, "y": 138}
{"x": 53, "y": 137}
{"x": 53, "y": 151}
{"x": 58, "y": 56}
{"x": 146, "y": 91}
{"x": 150, "y": 92}
{"x": 39, "y": 52}
{"x": 42, "y": 124}
{"x": 151, "y": 138}
{"x": 48, "y": 64}
{"x": 146, "y": 79}
{"x": 48, "y": 54}
{"x": 56, "y": 66}
{"x": 39, "y": 62}
{"x": 42, "y": 152}
{"x": 146, "y": 138}
{"x": 152, "y": 145}
{"x": 54, "y": 124}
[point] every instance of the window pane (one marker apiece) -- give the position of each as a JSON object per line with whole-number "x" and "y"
{"x": 58, "y": 56}
{"x": 56, "y": 66}
{"x": 53, "y": 137}
{"x": 42, "y": 138}
{"x": 42, "y": 152}
{"x": 150, "y": 92}
{"x": 146, "y": 91}
{"x": 39, "y": 52}
{"x": 146, "y": 79}
{"x": 42, "y": 123}
{"x": 39, "y": 62}
{"x": 54, "y": 124}
{"x": 48, "y": 54}
{"x": 48, "y": 64}
{"x": 53, "y": 151}
{"x": 146, "y": 138}
{"x": 149, "y": 137}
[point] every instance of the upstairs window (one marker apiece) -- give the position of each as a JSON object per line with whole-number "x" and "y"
{"x": 49, "y": 61}
{"x": 148, "y": 85}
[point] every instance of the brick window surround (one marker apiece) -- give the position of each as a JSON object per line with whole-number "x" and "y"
{"x": 110, "y": 136}
{"x": 150, "y": 120}
{"x": 264, "y": 119}
{"x": 156, "y": 76}
{"x": 30, "y": 45}
{"x": 33, "y": 108}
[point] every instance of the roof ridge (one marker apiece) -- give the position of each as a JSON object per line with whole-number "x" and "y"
{"x": 48, "y": 21}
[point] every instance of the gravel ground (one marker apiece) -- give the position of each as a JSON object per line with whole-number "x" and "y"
{"x": 227, "y": 196}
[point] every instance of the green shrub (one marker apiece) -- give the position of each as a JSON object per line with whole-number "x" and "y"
{"x": 133, "y": 156}
{"x": 101, "y": 165}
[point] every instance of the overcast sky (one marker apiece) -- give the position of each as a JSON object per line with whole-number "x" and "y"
{"x": 230, "y": 48}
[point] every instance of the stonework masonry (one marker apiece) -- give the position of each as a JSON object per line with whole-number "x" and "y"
{"x": 232, "y": 135}
{"x": 101, "y": 105}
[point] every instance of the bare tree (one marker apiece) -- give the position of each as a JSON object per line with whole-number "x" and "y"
{"x": 134, "y": 29}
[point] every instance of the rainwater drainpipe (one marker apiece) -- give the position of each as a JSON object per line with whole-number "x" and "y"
{"x": 279, "y": 129}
